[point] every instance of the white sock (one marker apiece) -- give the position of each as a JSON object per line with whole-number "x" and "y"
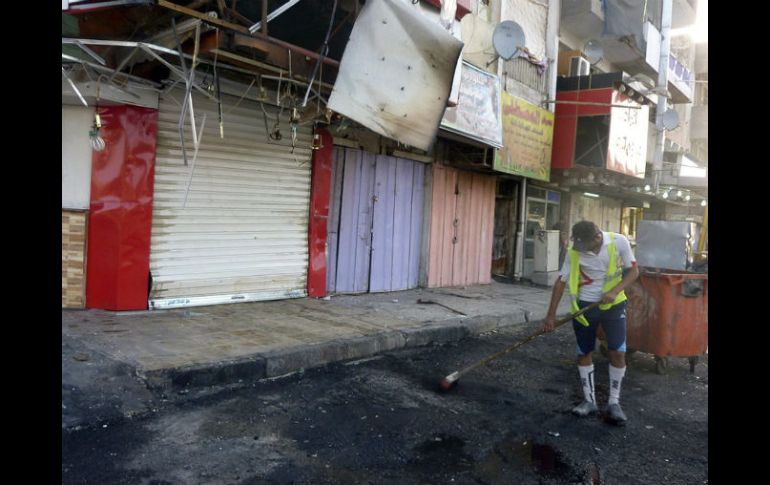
{"x": 587, "y": 380}
{"x": 616, "y": 377}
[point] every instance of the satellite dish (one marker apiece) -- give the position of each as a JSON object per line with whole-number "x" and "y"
{"x": 508, "y": 38}
{"x": 670, "y": 119}
{"x": 593, "y": 51}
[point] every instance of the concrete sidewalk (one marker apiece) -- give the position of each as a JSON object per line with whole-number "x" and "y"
{"x": 116, "y": 363}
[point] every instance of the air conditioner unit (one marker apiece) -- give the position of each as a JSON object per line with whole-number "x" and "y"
{"x": 579, "y": 66}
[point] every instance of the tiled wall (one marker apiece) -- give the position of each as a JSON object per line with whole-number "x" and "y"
{"x": 73, "y": 250}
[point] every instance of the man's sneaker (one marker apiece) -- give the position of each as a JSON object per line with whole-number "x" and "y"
{"x": 616, "y": 415}
{"x": 584, "y": 408}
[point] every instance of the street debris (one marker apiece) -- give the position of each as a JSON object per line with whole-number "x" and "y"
{"x": 553, "y": 433}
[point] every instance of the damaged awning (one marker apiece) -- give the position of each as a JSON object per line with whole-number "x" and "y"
{"x": 396, "y": 73}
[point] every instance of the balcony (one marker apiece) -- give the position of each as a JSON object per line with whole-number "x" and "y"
{"x": 583, "y": 18}
{"x": 680, "y": 81}
{"x": 645, "y": 59}
{"x": 632, "y": 53}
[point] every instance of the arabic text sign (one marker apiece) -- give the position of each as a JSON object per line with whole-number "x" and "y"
{"x": 627, "y": 149}
{"x": 528, "y": 138}
{"x": 477, "y": 114}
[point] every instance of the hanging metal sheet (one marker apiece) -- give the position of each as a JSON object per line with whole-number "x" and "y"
{"x": 242, "y": 234}
{"x": 396, "y": 73}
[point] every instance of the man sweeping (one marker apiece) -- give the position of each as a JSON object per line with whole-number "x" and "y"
{"x": 598, "y": 267}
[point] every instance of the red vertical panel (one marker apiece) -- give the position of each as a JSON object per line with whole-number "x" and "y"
{"x": 320, "y": 193}
{"x": 120, "y": 217}
{"x": 564, "y": 131}
{"x": 603, "y": 98}
{"x": 566, "y": 116}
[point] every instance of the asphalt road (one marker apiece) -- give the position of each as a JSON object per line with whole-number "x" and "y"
{"x": 384, "y": 420}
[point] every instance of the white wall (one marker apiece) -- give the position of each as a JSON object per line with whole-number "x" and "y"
{"x": 532, "y": 16}
{"x": 76, "y": 152}
{"x": 604, "y": 211}
{"x": 477, "y": 29}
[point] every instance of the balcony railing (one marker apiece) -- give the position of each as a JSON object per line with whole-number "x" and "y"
{"x": 681, "y": 78}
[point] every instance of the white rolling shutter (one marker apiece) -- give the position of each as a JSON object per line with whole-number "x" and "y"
{"x": 242, "y": 235}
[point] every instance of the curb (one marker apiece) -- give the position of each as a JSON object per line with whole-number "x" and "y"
{"x": 283, "y": 362}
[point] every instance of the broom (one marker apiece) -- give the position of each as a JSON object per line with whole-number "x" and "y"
{"x": 449, "y": 381}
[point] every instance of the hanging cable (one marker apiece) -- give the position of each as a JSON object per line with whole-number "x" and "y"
{"x": 219, "y": 91}
{"x": 324, "y": 52}
{"x": 242, "y": 96}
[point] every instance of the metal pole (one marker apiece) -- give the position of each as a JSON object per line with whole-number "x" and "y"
{"x": 665, "y": 48}
{"x": 518, "y": 269}
{"x": 704, "y": 230}
{"x": 552, "y": 47}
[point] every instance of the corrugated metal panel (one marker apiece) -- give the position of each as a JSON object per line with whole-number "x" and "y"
{"x": 462, "y": 228}
{"x": 334, "y": 218}
{"x": 443, "y": 216}
{"x": 398, "y": 195}
{"x": 487, "y": 218}
{"x": 355, "y": 227}
{"x": 242, "y": 233}
{"x": 375, "y": 224}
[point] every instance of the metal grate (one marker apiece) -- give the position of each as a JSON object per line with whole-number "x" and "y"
{"x": 523, "y": 71}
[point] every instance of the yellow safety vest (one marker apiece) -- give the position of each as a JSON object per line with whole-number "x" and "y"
{"x": 613, "y": 278}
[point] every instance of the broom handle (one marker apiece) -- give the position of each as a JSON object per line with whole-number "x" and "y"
{"x": 528, "y": 339}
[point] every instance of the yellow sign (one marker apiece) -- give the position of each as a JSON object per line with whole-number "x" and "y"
{"x": 527, "y": 139}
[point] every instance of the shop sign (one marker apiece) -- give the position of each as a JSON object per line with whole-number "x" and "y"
{"x": 528, "y": 138}
{"x": 627, "y": 149}
{"x": 477, "y": 114}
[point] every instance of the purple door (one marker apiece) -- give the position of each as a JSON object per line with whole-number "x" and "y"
{"x": 375, "y": 222}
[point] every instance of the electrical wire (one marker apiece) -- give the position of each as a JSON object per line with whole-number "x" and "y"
{"x": 96, "y": 141}
{"x": 324, "y": 52}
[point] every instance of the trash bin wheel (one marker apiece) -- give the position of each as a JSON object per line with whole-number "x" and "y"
{"x": 693, "y": 362}
{"x": 661, "y": 364}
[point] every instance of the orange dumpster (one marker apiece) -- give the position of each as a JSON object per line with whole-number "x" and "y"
{"x": 667, "y": 315}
